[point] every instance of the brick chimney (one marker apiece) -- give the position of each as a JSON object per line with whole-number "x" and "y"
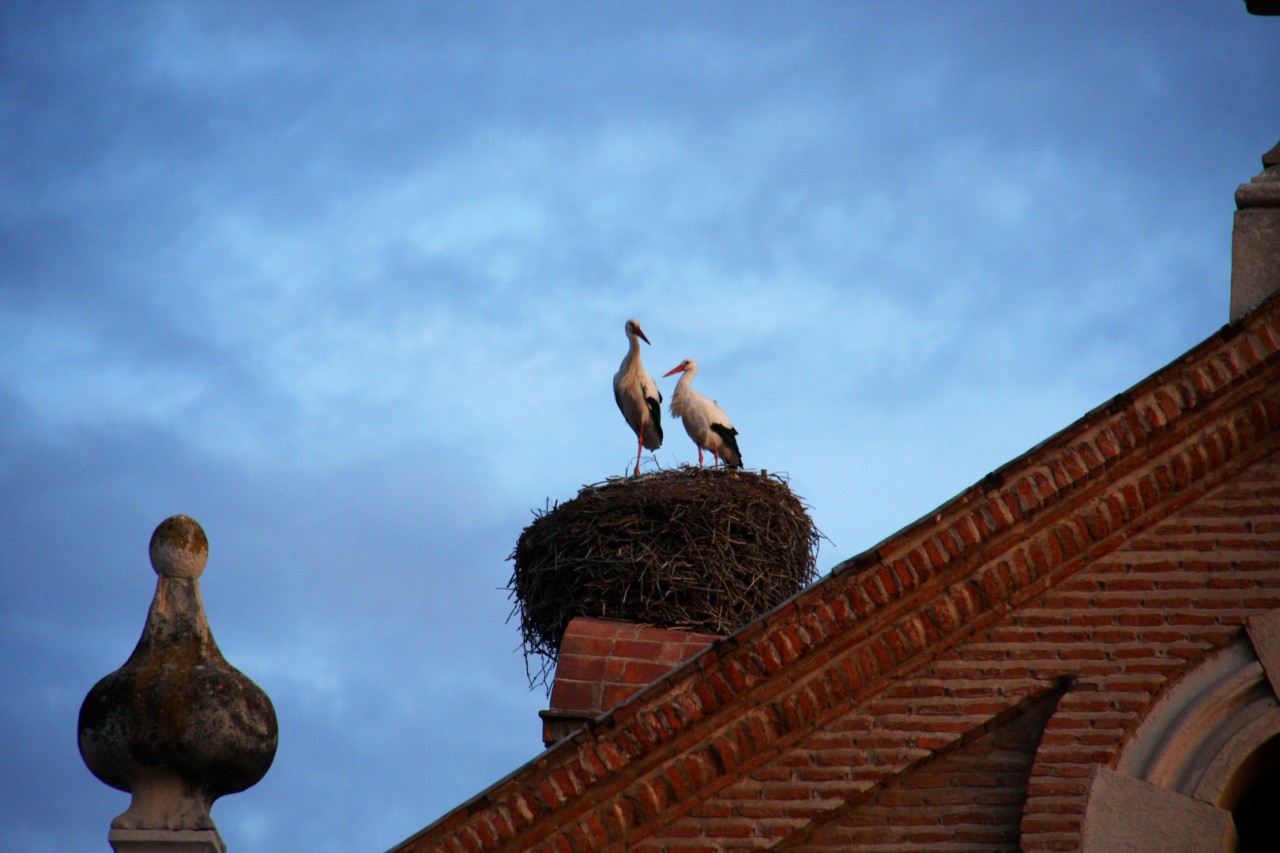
{"x": 1255, "y": 239}
{"x": 603, "y": 662}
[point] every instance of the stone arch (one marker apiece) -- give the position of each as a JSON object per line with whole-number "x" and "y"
{"x": 1209, "y": 746}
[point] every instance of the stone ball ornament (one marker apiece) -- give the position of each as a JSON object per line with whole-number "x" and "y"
{"x": 176, "y": 726}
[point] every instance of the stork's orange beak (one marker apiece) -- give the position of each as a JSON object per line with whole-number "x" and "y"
{"x": 679, "y": 368}
{"x": 640, "y": 334}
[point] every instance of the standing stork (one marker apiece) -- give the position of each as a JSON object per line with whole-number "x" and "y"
{"x": 704, "y": 420}
{"x": 637, "y": 395}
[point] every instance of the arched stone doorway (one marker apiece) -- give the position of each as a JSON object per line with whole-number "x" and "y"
{"x": 1202, "y": 772}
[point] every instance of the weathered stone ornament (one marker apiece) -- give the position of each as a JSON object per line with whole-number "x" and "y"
{"x": 176, "y": 726}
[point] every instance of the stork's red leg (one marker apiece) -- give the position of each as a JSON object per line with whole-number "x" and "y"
{"x": 639, "y": 447}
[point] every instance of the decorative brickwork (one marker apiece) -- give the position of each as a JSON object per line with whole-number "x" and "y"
{"x": 1102, "y": 565}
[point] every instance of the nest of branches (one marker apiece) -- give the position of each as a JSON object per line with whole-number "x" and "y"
{"x": 704, "y": 549}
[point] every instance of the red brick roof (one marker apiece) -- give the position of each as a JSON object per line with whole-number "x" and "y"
{"x": 1020, "y": 631}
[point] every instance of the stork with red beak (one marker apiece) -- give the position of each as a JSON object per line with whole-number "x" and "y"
{"x": 637, "y": 395}
{"x": 704, "y": 420}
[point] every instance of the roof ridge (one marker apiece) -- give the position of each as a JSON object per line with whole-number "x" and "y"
{"x": 1206, "y": 384}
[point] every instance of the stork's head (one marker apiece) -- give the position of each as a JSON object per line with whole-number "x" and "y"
{"x": 687, "y": 365}
{"x": 633, "y": 328}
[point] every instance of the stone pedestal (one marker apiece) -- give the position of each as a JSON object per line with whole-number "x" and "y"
{"x": 166, "y": 841}
{"x": 1255, "y": 239}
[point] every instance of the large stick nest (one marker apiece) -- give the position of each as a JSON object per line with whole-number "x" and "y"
{"x": 705, "y": 549}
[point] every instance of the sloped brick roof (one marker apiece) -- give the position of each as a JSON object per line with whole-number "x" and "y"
{"x": 1073, "y": 583}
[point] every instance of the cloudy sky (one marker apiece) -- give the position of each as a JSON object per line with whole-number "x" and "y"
{"x": 346, "y": 282}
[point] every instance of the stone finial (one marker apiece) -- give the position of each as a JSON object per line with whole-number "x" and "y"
{"x": 1255, "y": 239}
{"x": 176, "y": 726}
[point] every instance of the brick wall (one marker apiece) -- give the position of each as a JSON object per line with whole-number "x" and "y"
{"x": 1119, "y": 631}
{"x": 968, "y": 799}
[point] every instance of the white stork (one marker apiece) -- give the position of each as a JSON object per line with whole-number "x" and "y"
{"x": 704, "y": 420}
{"x": 637, "y": 395}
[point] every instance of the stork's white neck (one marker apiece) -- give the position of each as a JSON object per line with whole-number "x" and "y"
{"x": 686, "y": 379}
{"x": 633, "y": 350}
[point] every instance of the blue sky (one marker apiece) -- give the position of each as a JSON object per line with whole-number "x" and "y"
{"x": 346, "y": 282}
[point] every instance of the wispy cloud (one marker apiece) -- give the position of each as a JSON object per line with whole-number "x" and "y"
{"x": 347, "y": 283}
